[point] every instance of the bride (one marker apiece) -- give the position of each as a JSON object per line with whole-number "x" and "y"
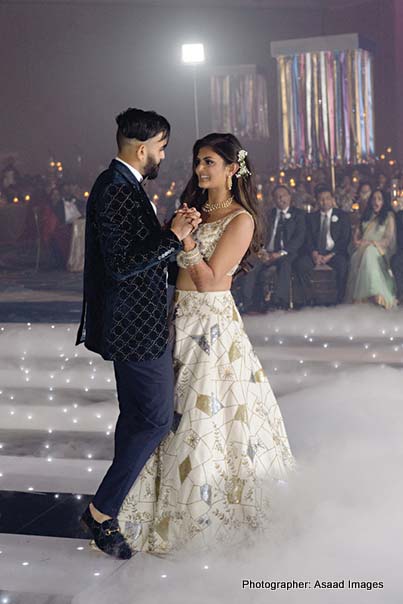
{"x": 204, "y": 483}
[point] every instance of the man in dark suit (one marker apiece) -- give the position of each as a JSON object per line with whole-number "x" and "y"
{"x": 124, "y": 315}
{"x": 397, "y": 260}
{"x": 328, "y": 235}
{"x": 285, "y": 237}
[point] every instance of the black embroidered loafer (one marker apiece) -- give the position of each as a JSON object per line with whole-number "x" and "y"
{"x": 107, "y": 536}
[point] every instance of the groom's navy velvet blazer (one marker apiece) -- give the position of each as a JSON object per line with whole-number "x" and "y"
{"x": 125, "y": 275}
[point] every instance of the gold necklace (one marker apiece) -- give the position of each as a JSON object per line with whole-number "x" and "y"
{"x": 210, "y": 207}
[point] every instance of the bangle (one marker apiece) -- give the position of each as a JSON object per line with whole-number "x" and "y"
{"x": 186, "y": 259}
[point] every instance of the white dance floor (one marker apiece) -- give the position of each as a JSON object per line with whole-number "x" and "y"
{"x": 338, "y": 377}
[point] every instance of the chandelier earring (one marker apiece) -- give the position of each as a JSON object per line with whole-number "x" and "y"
{"x": 229, "y": 182}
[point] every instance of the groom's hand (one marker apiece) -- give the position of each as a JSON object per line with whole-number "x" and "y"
{"x": 185, "y": 222}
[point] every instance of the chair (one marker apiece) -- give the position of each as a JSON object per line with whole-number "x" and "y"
{"x": 324, "y": 285}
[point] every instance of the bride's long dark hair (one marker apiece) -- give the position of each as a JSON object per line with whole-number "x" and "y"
{"x": 243, "y": 190}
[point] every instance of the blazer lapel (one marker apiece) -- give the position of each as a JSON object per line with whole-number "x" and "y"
{"x": 334, "y": 226}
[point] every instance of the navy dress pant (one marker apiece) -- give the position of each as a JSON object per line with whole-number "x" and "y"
{"x": 145, "y": 394}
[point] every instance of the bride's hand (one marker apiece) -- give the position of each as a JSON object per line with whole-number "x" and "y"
{"x": 188, "y": 243}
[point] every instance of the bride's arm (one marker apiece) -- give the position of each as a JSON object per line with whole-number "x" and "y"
{"x": 230, "y": 250}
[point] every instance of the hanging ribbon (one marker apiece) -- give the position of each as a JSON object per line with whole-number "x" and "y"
{"x": 308, "y": 104}
{"x": 326, "y": 108}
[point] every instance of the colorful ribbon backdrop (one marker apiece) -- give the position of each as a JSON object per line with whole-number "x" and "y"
{"x": 240, "y": 105}
{"x": 326, "y": 108}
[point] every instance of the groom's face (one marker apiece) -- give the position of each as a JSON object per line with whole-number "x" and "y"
{"x": 154, "y": 154}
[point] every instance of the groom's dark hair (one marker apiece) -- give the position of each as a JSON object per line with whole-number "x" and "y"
{"x": 140, "y": 125}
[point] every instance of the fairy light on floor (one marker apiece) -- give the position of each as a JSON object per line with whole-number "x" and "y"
{"x": 59, "y": 347}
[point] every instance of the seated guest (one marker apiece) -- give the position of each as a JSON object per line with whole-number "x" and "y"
{"x": 397, "y": 260}
{"x": 345, "y": 194}
{"x": 328, "y": 234}
{"x": 363, "y": 195}
{"x": 301, "y": 198}
{"x": 382, "y": 182}
{"x": 370, "y": 278}
{"x": 285, "y": 237}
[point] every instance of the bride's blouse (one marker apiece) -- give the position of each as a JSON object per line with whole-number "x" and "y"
{"x": 207, "y": 236}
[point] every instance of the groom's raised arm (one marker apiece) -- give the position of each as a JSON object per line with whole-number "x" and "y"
{"x": 127, "y": 245}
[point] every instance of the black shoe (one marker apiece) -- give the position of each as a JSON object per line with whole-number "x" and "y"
{"x": 107, "y": 536}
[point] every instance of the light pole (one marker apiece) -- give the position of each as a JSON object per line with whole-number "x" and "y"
{"x": 193, "y": 55}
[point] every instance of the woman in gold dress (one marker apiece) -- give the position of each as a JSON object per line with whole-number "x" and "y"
{"x": 208, "y": 481}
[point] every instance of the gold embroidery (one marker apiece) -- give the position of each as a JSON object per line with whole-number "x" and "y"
{"x": 242, "y": 414}
{"x": 234, "y": 352}
{"x": 260, "y": 376}
{"x": 185, "y": 468}
{"x": 162, "y": 527}
{"x": 203, "y": 403}
{"x": 235, "y": 488}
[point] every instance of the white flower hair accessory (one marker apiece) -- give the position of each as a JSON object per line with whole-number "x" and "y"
{"x": 243, "y": 171}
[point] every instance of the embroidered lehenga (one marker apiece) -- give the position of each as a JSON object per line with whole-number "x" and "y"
{"x": 208, "y": 480}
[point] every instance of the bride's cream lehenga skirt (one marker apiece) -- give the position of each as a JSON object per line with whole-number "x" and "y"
{"x": 205, "y": 482}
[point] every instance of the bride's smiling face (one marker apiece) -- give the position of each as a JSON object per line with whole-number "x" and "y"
{"x": 211, "y": 169}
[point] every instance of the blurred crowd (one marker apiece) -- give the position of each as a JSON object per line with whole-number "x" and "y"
{"x": 322, "y": 246}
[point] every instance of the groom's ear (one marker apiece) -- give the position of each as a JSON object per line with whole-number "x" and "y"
{"x": 141, "y": 152}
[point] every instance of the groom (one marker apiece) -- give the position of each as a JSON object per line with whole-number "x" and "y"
{"x": 124, "y": 316}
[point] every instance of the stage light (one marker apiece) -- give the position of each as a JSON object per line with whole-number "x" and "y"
{"x": 193, "y": 54}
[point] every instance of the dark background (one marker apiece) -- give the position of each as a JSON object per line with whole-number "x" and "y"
{"x": 68, "y": 68}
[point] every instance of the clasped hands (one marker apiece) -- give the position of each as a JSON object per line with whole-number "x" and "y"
{"x": 185, "y": 221}
{"x": 320, "y": 259}
{"x": 268, "y": 257}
